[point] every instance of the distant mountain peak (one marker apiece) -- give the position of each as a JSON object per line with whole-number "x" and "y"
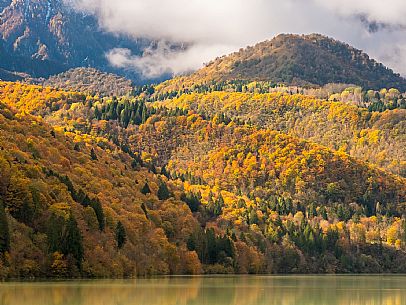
{"x": 302, "y": 60}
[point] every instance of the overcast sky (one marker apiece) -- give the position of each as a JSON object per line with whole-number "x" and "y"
{"x": 213, "y": 28}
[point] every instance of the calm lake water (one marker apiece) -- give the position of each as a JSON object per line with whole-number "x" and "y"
{"x": 239, "y": 290}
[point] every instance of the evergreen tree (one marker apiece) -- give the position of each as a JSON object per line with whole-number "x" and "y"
{"x": 144, "y": 209}
{"x": 144, "y": 114}
{"x": 192, "y": 201}
{"x": 253, "y": 217}
{"x": 211, "y": 246}
{"x": 145, "y": 189}
{"x": 163, "y": 191}
{"x": 323, "y": 213}
{"x": 97, "y": 113}
{"x": 121, "y": 236}
{"x": 165, "y": 172}
{"x": 54, "y": 233}
{"x": 124, "y": 118}
{"x": 4, "y": 230}
{"x": 241, "y": 203}
{"x": 331, "y": 239}
{"x": 210, "y": 207}
{"x": 311, "y": 212}
{"x": 137, "y": 118}
{"x": 65, "y": 180}
{"x": 98, "y": 209}
{"x": 19, "y": 202}
{"x": 93, "y": 154}
{"x": 403, "y": 231}
{"x": 134, "y": 164}
{"x": 72, "y": 241}
{"x": 218, "y": 206}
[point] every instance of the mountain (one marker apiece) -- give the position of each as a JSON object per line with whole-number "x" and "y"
{"x": 372, "y": 137}
{"x": 44, "y": 38}
{"x": 109, "y": 187}
{"x": 306, "y": 60}
{"x": 78, "y": 208}
{"x": 92, "y": 81}
{"x": 53, "y": 37}
{"x": 15, "y": 63}
{"x": 218, "y": 172}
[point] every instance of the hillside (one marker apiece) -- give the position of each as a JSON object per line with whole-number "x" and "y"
{"x": 377, "y": 138}
{"x": 261, "y": 163}
{"x": 193, "y": 193}
{"x": 92, "y": 81}
{"x": 307, "y": 60}
{"x": 54, "y": 187}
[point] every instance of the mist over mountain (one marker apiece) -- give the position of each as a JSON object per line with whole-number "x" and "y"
{"x": 136, "y": 41}
{"x": 42, "y": 33}
{"x": 299, "y": 60}
{"x": 310, "y": 59}
{"x": 374, "y": 26}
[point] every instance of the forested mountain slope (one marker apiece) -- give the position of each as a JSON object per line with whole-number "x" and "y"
{"x": 191, "y": 187}
{"x": 377, "y": 138}
{"x": 91, "y": 81}
{"x": 261, "y": 163}
{"x": 65, "y": 199}
{"x": 306, "y": 60}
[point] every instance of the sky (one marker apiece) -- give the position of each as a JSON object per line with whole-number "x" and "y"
{"x": 206, "y": 29}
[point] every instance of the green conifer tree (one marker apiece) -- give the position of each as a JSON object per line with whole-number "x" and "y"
{"x": 163, "y": 191}
{"x": 98, "y": 209}
{"x": 4, "y": 230}
{"x": 145, "y": 189}
{"x": 121, "y": 235}
{"x": 72, "y": 241}
{"x": 93, "y": 154}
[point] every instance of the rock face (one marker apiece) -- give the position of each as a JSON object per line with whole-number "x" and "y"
{"x": 53, "y": 33}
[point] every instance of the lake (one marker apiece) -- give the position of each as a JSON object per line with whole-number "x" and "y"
{"x": 236, "y": 290}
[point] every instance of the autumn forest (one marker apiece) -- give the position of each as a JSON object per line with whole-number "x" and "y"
{"x": 219, "y": 172}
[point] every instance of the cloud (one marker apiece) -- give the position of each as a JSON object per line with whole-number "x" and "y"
{"x": 163, "y": 59}
{"x": 211, "y": 28}
{"x": 390, "y": 12}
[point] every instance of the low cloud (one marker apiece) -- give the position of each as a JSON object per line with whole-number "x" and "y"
{"x": 211, "y": 28}
{"x": 162, "y": 59}
{"x": 391, "y": 12}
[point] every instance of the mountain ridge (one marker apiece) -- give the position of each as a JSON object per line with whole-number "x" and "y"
{"x": 303, "y": 60}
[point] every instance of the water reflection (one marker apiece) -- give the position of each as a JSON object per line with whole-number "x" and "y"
{"x": 294, "y": 290}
